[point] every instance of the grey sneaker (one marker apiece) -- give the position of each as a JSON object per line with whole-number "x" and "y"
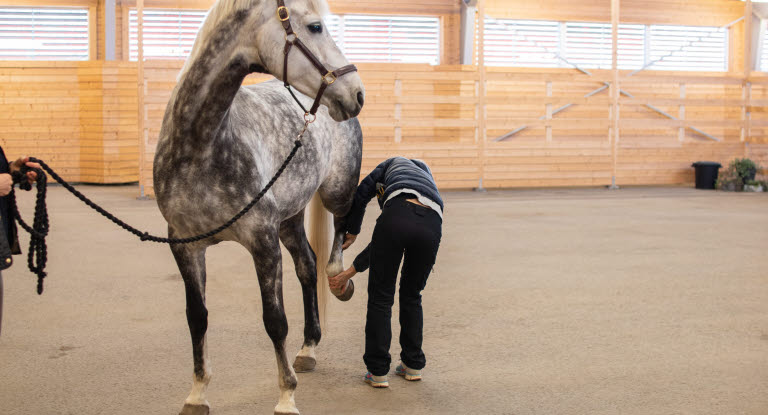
{"x": 407, "y": 373}
{"x": 376, "y": 381}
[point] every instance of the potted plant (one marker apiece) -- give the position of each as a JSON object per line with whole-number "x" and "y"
{"x": 746, "y": 168}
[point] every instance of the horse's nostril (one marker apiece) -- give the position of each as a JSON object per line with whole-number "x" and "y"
{"x": 360, "y": 98}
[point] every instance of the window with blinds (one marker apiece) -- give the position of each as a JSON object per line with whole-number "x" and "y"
{"x": 764, "y": 49}
{"x": 522, "y": 43}
{"x": 548, "y": 44}
{"x": 43, "y": 33}
{"x": 167, "y": 33}
{"x": 362, "y": 38}
{"x": 688, "y": 48}
{"x": 399, "y": 39}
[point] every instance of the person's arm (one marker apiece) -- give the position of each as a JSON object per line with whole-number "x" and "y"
{"x": 365, "y": 192}
{"x": 363, "y": 259}
{"x": 338, "y": 283}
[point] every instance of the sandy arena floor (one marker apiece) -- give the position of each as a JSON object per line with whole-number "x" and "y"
{"x": 637, "y": 301}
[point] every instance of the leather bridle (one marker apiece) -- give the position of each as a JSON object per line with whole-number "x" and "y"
{"x": 328, "y": 77}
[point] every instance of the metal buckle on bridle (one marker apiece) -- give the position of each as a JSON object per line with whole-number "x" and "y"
{"x": 281, "y": 9}
{"x": 329, "y": 78}
{"x": 291, "y": 38}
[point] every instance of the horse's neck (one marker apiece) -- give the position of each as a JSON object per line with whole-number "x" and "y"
{"x": 207, "y": 88}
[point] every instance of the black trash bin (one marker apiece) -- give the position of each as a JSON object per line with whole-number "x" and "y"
{"x": 706, "y": 174}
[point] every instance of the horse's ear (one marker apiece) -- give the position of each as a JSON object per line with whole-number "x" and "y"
{"x": 257, "y": 68}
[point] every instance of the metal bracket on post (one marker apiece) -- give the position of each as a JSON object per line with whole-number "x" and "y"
{"x": 142, "y": 195}
{"x": 480, "y": 188}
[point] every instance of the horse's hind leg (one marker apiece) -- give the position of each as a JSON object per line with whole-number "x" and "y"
{"x": 191, "y": 262}
{"x": 295, "y": 240}
{"x": 267, "y": 257}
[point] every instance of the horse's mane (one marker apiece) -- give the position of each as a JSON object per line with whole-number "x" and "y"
{"x": 222, "y": 9}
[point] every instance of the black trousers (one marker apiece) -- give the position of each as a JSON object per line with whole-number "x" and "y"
{"x": 405, "y": 230}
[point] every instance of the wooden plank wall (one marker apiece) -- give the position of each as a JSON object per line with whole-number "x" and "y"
{"x": 431, "y": 113}
{"x": 81, "y": 117}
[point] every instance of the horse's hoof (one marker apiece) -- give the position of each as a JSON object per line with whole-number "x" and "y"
{"x": 194, "y": 410}
{"x": 304, "y": 364}
{"x": 348, "y": 293}
{"x": 282, "y": 409}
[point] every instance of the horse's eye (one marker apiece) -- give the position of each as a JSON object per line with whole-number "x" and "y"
{"x": 315, "y": 28}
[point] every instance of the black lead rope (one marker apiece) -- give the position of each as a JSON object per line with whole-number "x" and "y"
{"x": 38, "y": 250}
{"x": 37, "y": 256}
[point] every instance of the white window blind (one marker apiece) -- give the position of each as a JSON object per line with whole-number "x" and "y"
{"x": 167, "y": 33}
{"x": 400, "y": 39}
{"x": 549, "y": 44}
{"x": 764, "y": 50}
{"x": 522, "y": 43}
{"x": 43, "y": 33}
{"x": 688, "y": 48}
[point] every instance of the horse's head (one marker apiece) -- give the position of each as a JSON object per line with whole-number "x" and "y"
{"x": 344, "y": 97}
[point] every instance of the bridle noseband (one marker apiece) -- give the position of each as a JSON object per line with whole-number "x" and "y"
{"x": 328, "y": 77}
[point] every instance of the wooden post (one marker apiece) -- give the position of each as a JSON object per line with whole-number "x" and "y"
{"x": 681, "y": 115}
{"x": 548, "y": 112}
{"x": 398, "y": 110}
{"x": 746, "y": 85}
{"x": 140, "y": 91}
{"x": 482, "y": 113}
{"x": 615, "y": 88}
{"x": 93, "y": 33}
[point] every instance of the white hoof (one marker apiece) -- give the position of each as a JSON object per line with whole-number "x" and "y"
{"x": 286, "y": 409}
{"x": 305, "y": 360}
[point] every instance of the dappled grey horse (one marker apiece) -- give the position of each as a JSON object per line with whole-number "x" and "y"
{"x": 220, "y": 144}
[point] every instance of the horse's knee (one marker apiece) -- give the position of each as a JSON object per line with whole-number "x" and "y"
{"x": 276, "y": 326}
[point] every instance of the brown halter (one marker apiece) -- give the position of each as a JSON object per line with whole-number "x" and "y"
{"x": 328, "y": 77}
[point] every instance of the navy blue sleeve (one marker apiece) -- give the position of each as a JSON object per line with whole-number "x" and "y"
{"x": 365, "y": 192}
{"x": 363, "y": 259}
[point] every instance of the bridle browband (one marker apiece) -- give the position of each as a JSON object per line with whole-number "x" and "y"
{"x": 328, "y": 77}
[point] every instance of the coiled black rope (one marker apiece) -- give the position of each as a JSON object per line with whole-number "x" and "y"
{"x": 39, "y": 230}
{"x": 38, "y": 251}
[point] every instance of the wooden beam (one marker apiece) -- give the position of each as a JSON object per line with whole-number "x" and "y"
{"x": 93, "y": 33}
{"x": 615, "y": 90}
{"x": 482, "y": 112}
{"x": 142, "y": 132}
{"x": 746, "y": 85}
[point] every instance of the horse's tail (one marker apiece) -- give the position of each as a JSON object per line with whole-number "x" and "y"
{"x": 320, "y": 229}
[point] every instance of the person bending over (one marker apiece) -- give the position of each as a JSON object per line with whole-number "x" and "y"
{"x": 409, "y": 227}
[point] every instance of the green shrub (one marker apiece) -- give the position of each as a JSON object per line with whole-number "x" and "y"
{"x": 745, "y": 168}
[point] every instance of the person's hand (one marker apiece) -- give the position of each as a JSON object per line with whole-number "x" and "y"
{"x": 6, "y": 184}
{"x": 349, "y": 239}
{"x": 338, "y": 283}
{"x": 16, "y": 166}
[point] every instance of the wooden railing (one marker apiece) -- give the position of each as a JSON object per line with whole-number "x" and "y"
{"x": 83, "y": 117}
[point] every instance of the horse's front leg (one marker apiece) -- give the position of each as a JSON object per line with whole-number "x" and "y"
{"x": 267, "y": 257}
{"x": 191, "y": 262}
{"x": 295, "y": 240}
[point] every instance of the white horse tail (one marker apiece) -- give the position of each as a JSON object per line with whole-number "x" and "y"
{"x": 320, "y": 235}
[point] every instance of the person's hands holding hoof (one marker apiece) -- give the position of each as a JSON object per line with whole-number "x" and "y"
{"x": 341, "y": 285}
